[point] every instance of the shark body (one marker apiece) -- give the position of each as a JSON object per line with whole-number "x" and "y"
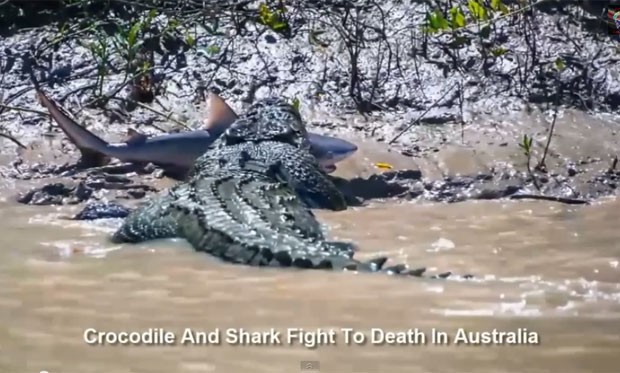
{"x": 177, "y": 151}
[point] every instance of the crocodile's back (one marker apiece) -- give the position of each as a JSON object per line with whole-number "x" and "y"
{"x": 243, "y": 214}
{"x": 299, "y": 169}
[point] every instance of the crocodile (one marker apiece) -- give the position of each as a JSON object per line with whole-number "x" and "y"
{"x": 246, "y": 201}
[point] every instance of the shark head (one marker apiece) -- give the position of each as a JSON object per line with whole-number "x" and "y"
{"x": 330, "y": 150}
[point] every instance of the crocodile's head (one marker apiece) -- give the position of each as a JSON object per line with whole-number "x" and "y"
{"x": 269, "y": 119}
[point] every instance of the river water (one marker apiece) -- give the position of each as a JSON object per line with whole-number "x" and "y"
{"x": 547, "y": 272}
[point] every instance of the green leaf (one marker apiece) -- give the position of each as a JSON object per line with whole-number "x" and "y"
{"x": 273, "y": 20}
{"x": 478, "y": 11}
{"x": 525, "y": 143}
{"x": 559, "y": 64}
{"x": 429, "y": 29}
{"x": 62, "y": 29}
{"x": 132, "y": 36}
{"x": 119, "y": 41}
{"x": 296, "y": 104}
{"x": 499, "y": 51}
{"x": 146, "y": 65}
{"x": 173, "y": 23}
{"x": 213, "y": 49}
{"x": 264, "y": 14}
{"x": 190, "y": 40}
{"x": 152, "y": 14}
{"x": 457, "y": 18}
{"x": 437, "y": 21}
{"x": 498, "y": 5}
{"x": 278, "y": 26}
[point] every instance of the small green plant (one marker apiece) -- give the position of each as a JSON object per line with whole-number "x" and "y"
{"x": 526, "y": 145}
{"x": 129, "y": 42}
{"x": 456, "y": 19}
{"x": 274, "y": 19}
{"x": 296, "y": 104}
{"x": 478, "y": 11}
{"x": 101, "y": 54}
{"x": 499, "y": 51}
{"x": 436, "y": 22}
{"x": 190, "y": 40}
{"x": 213, "y": 49}
{"x": 559, "y": 64}
{"x": 499, "y": 6}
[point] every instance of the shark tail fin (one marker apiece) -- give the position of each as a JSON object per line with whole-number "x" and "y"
{"x": 89, "y": 145}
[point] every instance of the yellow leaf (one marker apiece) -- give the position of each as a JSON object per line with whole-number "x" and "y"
{"x": 385, "y": 166}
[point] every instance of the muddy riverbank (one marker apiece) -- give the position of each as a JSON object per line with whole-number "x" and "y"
{"x": 450, "y": 114}
{"x": 484, "y": 162}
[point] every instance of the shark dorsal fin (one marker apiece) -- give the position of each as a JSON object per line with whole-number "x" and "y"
{"x": 221, "y": 116}
{"x": 134, "y": 136}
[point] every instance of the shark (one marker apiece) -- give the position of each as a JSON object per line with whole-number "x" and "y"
{"x": 176, "y": 152}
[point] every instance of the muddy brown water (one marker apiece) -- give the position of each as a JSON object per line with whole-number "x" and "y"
{"x": 547, "y": 268}
{"x": 545, "y": 271}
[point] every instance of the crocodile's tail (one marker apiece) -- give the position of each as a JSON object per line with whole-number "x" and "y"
{"x": 335, "y": 255}
{"x": 377, "y": 265}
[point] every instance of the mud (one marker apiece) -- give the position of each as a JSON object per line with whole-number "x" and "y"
{"x": 460, "y": 164}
